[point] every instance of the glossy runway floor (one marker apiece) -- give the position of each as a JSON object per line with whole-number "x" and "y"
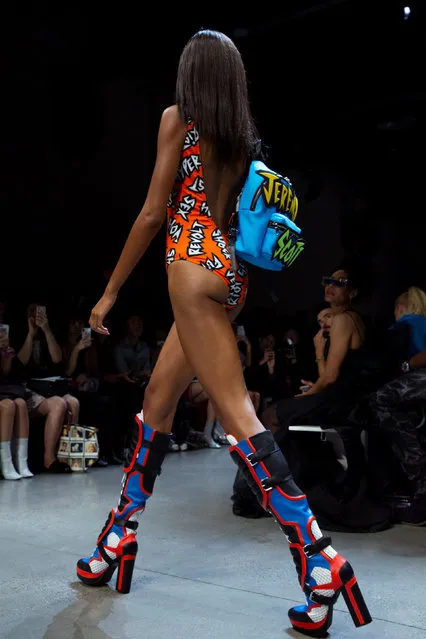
{"x": 201, "y": 572}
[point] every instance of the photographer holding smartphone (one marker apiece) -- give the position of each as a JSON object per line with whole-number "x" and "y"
{"x": 41, "y": 356}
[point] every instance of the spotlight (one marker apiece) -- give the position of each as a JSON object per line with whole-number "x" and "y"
{"x": 407, "y": 12}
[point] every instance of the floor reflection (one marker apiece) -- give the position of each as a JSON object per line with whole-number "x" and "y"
{"x": 82, "y": 618}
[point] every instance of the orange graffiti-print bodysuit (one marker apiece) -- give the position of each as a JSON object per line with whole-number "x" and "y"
{"x": 192, "y": 234}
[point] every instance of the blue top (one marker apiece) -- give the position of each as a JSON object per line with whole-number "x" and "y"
{"x": 417, "y": 326}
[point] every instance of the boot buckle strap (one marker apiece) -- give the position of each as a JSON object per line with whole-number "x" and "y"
{"x": 261, "y": 454}
{"x": 311, "y": 550}
{"x": 119, "y": 521}
{"x": 141, "y": 469}
{"x": 323, "y": 600}
{"x": 267, "y": 484}
{"x": 252, "y": 459}
{"x": 104, "y": 554}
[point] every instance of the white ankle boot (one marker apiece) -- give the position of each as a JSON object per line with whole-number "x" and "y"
{"x": 7, "y": 467}
{"x": 22, "y": 458}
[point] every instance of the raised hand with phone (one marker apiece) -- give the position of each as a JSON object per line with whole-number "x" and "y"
{"x": 41, "y": 319}
{"x": 82, "y": 343}
{"x": 38, "y": 319}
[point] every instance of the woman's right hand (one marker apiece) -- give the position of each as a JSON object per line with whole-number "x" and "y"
{"x": 319, "y": 342}
{"x": 100, "y": 311}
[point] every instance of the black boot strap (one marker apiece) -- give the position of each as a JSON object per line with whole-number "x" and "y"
{"x": 104, "y": 554}
{"x": 311, "y": 550}
{"x": 324, "y": 600}
{"x": 141, "y": 469}
{"x": 119, "y": 521}
{"x": 268, "y": 483}
{"x": 261, "y": 454}
{"x": 158, "y": 443}
{"x": 145, "y": 444}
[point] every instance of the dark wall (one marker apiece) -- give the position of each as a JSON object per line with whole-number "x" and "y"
{"x": 338, "y": 95}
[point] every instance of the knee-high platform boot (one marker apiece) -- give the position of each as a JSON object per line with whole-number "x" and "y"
{"x": 117, "y": 545}
{"x": 323, "y": 573}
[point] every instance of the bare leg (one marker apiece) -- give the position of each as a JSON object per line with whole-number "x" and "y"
{"x": 54, "y": 409}
{"x": 209, "y": 344}
{"x": 7, "y": 417}
{"x": 73, "y": 405}
{"x": 22, "y": 423}
{"x": 171, "y": 376}
{"x": 21, "y": 419}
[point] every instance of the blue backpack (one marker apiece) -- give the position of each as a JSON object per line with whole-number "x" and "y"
{"x": 262, "y": 229}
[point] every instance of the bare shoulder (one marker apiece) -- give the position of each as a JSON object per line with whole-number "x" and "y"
{"x": 171, "y": 123}
{"x": 342, "y": 322}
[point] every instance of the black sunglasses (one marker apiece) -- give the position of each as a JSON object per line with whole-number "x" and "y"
{"x": 330, "y": 281}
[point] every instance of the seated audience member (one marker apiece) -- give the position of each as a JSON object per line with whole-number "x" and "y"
{"x": 133, "y": 362}
{"x": 246, "y": 358}
{"x": 13, "y": 414}
{"x": 213, "y": 432}
{"x": 339, "y": 364}
{"x": 97, "y": 407}
{"x": 42, "y": 357}
{"x": 409, "y": 329}
{"x": 132, "y": 355}
{"x": 321, "y": 342}
{"x": 395, "y": 412}
{"x": 296, "y": 357}
{"x": 264, "y": 373}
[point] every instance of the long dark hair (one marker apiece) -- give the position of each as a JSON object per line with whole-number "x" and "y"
{"x": 211, "y": 89}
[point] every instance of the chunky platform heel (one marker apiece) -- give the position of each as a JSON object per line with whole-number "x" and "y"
{"x": 126, "y": 565}
{"x": 353, "y": 598}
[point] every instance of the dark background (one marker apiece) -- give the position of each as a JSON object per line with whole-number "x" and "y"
{"x": 338, "y": 92}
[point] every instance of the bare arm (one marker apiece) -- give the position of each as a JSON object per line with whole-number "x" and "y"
{"x": 6, "y": 363}
{"x": 171, "y": 136}
{"x": 53, "y": 346}
{"x": 25, "y": 353}
{"x": 340, "y": 337}
{"x": 418, "y": 361}
{"x": 321, "y": 365}
{"x": 319, "y": 345}
{"x": 72, "y": 362}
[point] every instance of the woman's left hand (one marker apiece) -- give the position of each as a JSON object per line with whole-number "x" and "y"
{"x": 311, "y": 391}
